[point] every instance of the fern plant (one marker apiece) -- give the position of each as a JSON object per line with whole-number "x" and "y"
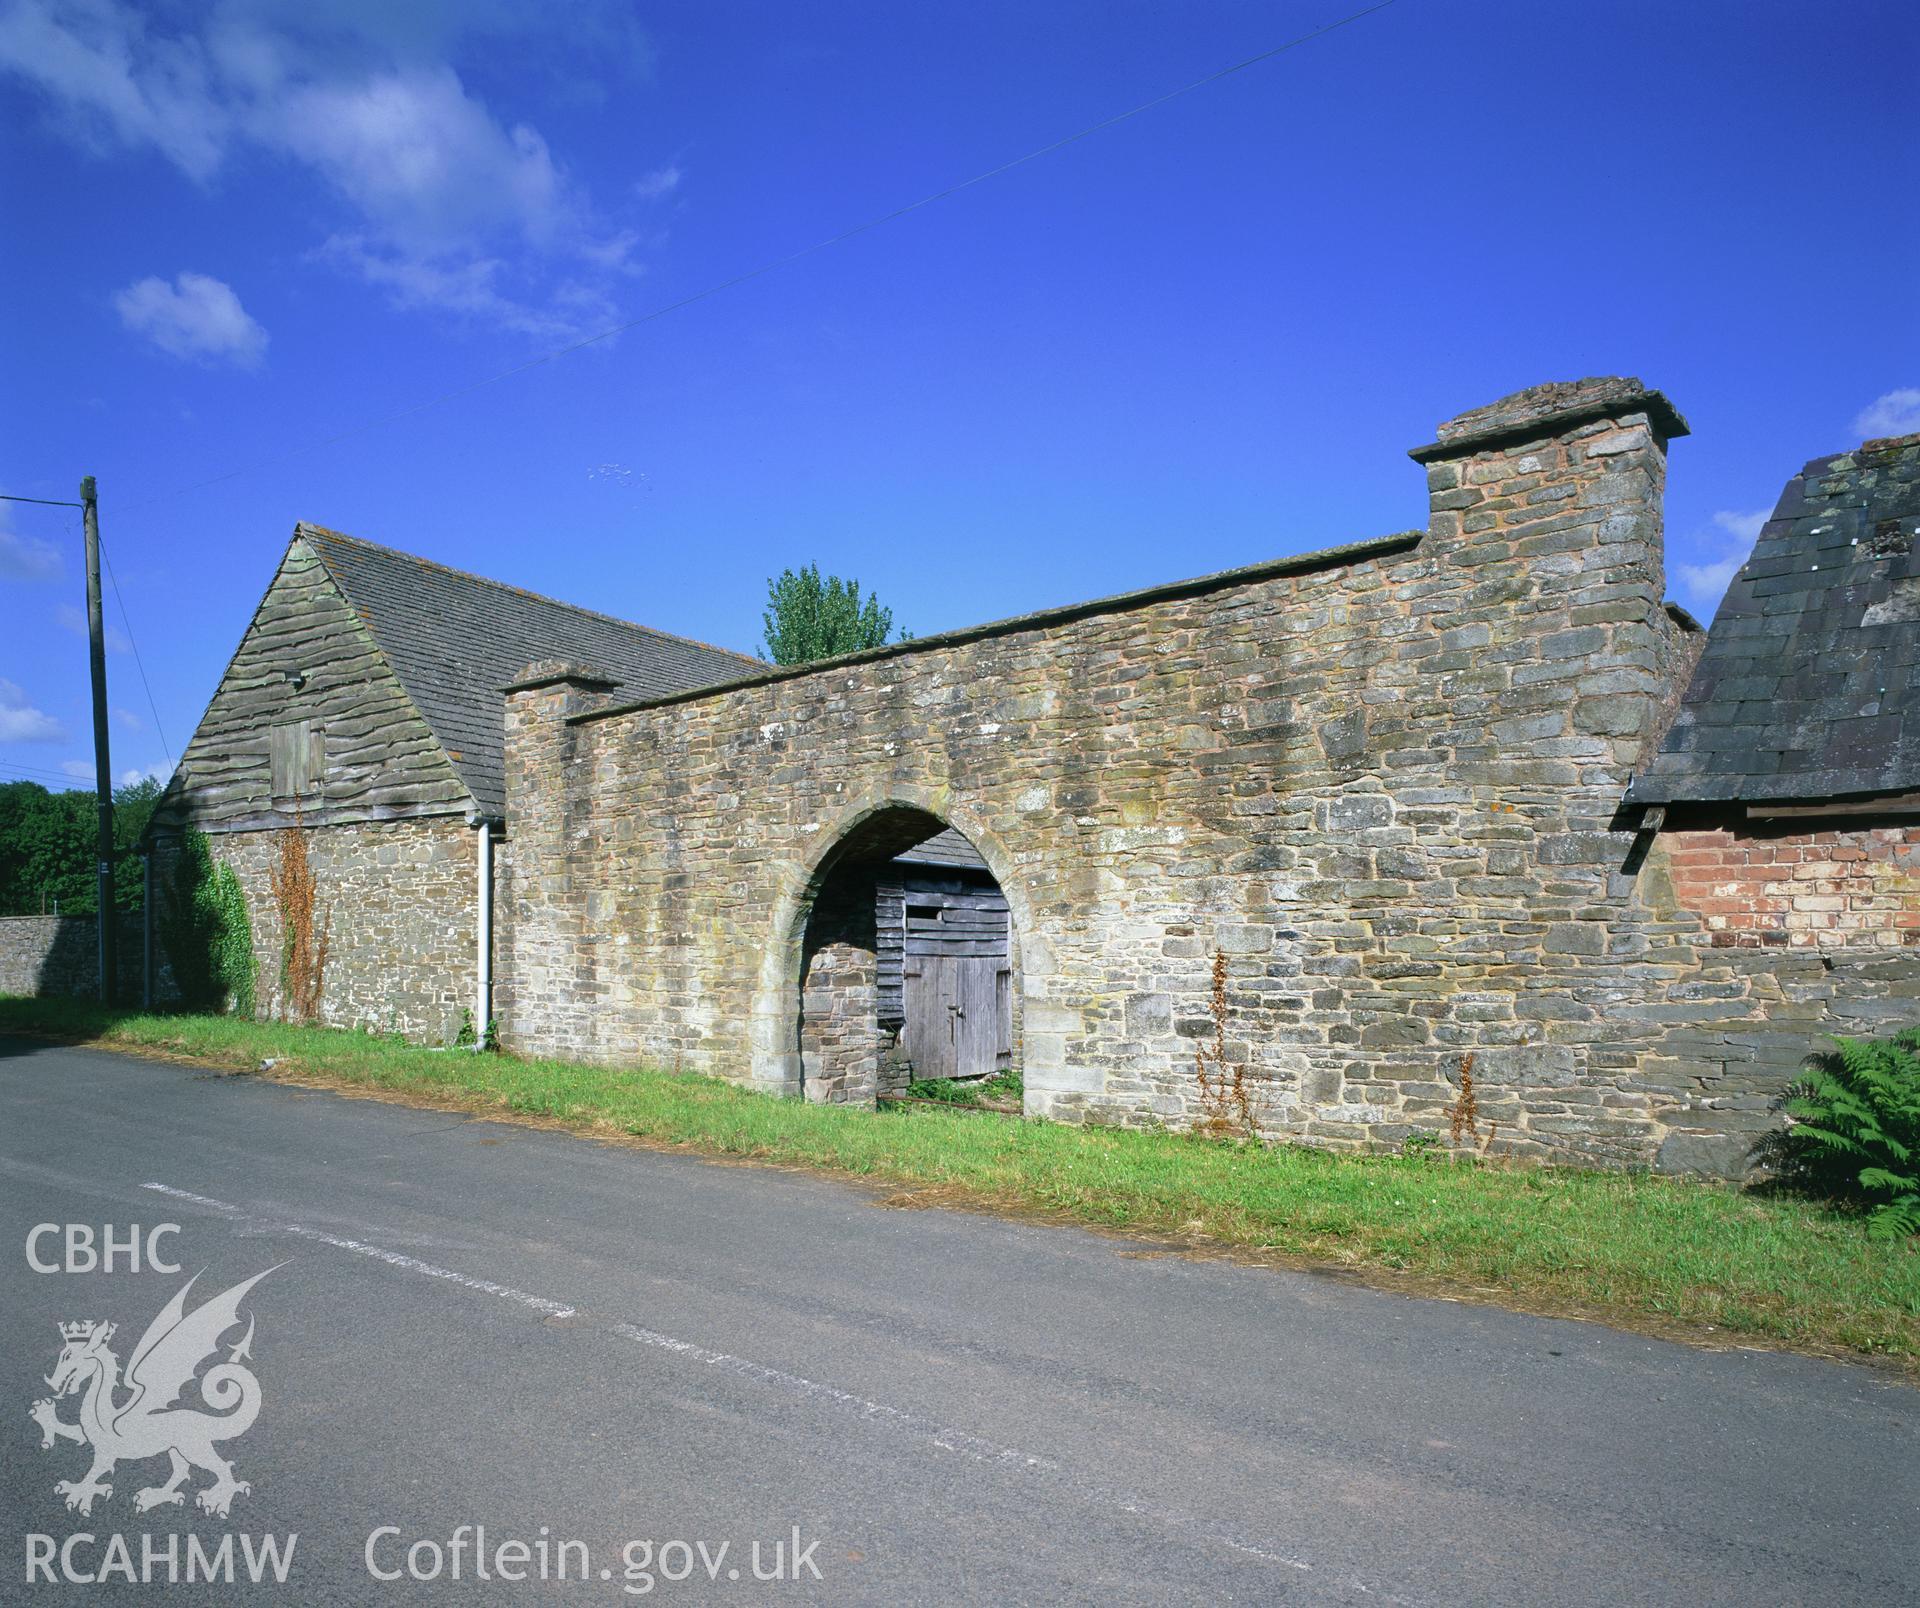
{"x": 1853, "y": 1128}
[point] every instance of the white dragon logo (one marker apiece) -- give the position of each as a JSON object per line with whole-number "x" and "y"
{"x": 163, "y": 1365}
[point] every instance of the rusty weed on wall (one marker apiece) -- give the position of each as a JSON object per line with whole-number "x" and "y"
{"x": 303, "y": 946}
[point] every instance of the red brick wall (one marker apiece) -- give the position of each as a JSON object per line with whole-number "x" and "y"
{"x": 1857, "y": 888}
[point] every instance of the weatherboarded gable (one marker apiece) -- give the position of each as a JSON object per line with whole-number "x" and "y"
{"x": 310, "y": 723}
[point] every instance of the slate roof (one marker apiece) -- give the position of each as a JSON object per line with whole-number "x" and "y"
{"x": 1809, "y": 686}
{"x": 455, "y": 640}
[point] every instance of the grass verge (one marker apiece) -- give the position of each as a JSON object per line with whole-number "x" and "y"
{"x": 1688, "y": 1260}
{"x": 1001, "y": 1092}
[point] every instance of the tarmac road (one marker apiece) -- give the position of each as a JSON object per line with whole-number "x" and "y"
{"x": 475, "y": 1324}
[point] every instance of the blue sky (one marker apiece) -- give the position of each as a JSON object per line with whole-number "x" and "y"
{"x": 1200, "y": 338}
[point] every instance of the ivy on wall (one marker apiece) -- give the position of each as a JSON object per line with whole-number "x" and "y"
{"x": 206, "y": 931}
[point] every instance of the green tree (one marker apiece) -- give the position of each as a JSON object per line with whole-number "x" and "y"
{"x": 47, "y": 847}
{"x": 814, "y": 617}
{"x": 133, "y": 807}
{"x": 45, "y": 850}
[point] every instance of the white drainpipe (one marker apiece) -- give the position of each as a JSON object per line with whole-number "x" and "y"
{"x": 483, "y": 937}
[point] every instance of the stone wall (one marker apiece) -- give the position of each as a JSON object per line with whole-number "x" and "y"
{"x": 1383, "y": 782}
{"x": 396, "y": 903}
{"x": 842, "y": 1040}
{"x": 841, "y": 1043}
{"x": 60, "y": 955}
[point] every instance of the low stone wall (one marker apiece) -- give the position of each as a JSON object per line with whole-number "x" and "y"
{"x": 840, "y": 1042}
{"x": 60, "y": 956}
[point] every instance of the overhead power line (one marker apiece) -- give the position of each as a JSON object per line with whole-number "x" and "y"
{"x": 10, "y": 770}
{"x": 126, "y": 619}
{"x": 382, "y": 420}
{"x": 35, "y": 772}
{"x": 138, "y": 663}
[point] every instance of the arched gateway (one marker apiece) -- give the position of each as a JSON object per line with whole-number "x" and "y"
{"x": 894, "y": 953}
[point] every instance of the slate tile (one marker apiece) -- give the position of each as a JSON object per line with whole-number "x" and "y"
{"x": 1787, "y": 700}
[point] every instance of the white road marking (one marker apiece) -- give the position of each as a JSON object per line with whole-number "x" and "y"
{"x": 951, "y": 1440}
{"x": 946, "y": 1439}
{"x": 981, "y": 1451}
{"x": 411, "y": 1264}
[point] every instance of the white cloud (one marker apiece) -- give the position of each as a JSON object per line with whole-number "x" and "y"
{"x": 423, "y": 161}
{"x": 20, "y": 722}
{"x": 195, "y": 317}
{"x": 71, "y": 617}
{"x": 435, "y": 186}
{"x": 466, "y": 288}
{"x": 1706, "y": 582}
{"x": 127, "y": 719}
{"x": 27, "y": 558}
{"x": 82, "y": 771}
{"x": 1895, "y": 414}
{"x": 1744, "y": 528}
{"x": 661, "y": 182}
{"x": 114, "y": 84}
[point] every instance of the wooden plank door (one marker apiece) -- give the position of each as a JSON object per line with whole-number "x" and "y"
{"x": 958, "y": 1020}
{"x": 977, "y": 1019}
{"x": 927, "y": 1034}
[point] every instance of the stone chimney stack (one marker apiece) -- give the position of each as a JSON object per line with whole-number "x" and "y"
{"x": 574, "y": 685}
{"x": 539, "y": 742}
{"x": 1546, "y": 513}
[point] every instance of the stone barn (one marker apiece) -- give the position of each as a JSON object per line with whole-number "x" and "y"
{"x": 1404, "y": 834}
{"x": 363, "y": 706}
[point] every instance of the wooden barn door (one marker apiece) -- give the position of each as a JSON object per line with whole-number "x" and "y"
{"x": 945, "y": 964}
{"x": 958, "y": 1015}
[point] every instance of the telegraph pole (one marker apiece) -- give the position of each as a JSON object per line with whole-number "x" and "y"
{"x": 102, "y": 765}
